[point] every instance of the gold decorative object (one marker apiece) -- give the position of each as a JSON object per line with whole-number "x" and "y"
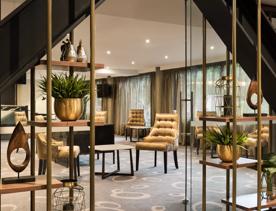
{"x": 18, "y": 140}
{"x": 81, "y": 55}
{"x": 252, "y": 89}
{"x": 225, "y": 152}
{"x": 68, "y": 109}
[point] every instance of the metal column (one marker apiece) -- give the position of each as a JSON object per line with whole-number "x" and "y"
{"x": 92, "y": 104}
{"x": 49, "y": 105}
{"x": 259, "y": 79}
{"x": 234, "y": 55}
{"x": 204, "y": 114}
{"x": 32, "y": 134}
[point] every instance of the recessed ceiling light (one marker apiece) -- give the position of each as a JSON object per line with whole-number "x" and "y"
{"x": 108, "y": 52}
{"x": 166, "y": 57}
{"x": 212, "y": 47}
{"x": 147, "y": 41}
{"x": 133, "y": 62}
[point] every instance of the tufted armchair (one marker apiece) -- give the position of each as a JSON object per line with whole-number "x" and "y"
{"x": 163, "y": 137}
{"x": 135, "y": 118}
{"x": 199, "y": 130}
{"x": 101, "y": 117}
{"x": 251, "y": 142}
{"x": 20, "y": 116}
{"x": 59, "y": 152}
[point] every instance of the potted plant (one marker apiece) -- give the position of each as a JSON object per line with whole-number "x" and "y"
{"x": 68, "y": 92}
{"x": 223, "y": 138}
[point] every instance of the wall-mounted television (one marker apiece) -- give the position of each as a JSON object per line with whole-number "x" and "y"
{"x": 104, "y": 90}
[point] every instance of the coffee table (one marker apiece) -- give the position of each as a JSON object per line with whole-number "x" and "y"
{"x": 111, "y": 148}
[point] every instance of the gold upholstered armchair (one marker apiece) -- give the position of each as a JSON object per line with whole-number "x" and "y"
{"x": 163, "y": 137}
{"x": 251, "y": 143}
{"x": 101, "y": 117}
{"x": 135, "y": 118}
{"x": 60, "y": 151}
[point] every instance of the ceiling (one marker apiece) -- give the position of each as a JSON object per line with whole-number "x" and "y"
{"x": 122, "y": 26}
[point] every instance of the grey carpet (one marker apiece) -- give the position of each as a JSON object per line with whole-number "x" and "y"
{"x": 149, "y": 190}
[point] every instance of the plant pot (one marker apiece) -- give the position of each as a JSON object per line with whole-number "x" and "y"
{"x": 225, "y": 153}
{"x": 68, "y": 109}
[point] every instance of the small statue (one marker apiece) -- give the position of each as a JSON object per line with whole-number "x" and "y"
{"x": 81, "y": 55}
{"x": 68, "y": 52}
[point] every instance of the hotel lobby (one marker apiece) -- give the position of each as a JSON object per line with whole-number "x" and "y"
{"x": 131, "y": 105}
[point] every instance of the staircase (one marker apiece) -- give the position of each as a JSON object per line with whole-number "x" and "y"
{"x": 23, "y": 33}
{"x": 218, "y": 13}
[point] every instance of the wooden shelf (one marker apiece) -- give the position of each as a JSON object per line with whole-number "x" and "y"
{"x": 39, "y": 184}
{"x": 241, "y": 163}
{"x": 239, "y": 119}
{"x": 60, "y": 123}
{"x": 71, "y": 64}
{"x": 249, "y": 202}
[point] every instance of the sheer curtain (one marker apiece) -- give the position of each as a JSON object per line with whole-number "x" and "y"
{"x": 214, "y": 72}
{"x": 131, "y": 93}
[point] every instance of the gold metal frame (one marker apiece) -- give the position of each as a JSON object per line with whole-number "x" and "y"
{"x": 204, "y": 79}
{"x": 92, "y": 105}
{"x": 259, "y": 80}
{"x": 32, "y": 205}
{"x": 49, "y": 105}
{"x": 234, "y": 94}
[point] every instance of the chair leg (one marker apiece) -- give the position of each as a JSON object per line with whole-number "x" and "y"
{"x": 155, "y": 158}
{"x": 137, "y": 159}
{"x": 165, "y": 162}
{"x": 113, "y": 157}
{"x": 197, "y": 146}
{"x": 126, "y": 133}
{"x": 78, "y": 165}
{"x": 44, "y": 167}
{"x": 175, "y": 159}
{"x": 40, "y": 167}
{"x": 98, "y": 155}
{"x": 75, "y": 169}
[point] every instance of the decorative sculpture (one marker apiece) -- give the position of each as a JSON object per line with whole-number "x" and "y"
{"x": 68, "y": 52}
{"x": 18, "y": 140}
{"x": 252, "y": 89}
{"x": 81, "y": 55}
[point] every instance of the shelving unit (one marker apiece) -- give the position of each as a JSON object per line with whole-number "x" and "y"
{"x": 241, "y": 163}
{"x": 244, "y": 202}
{"x": 39, "y": 184}
{"x": 78, "y": 66}
{"x": 248, "y": 202}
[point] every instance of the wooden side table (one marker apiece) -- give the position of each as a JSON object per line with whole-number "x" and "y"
{"x": 111, "y": 148}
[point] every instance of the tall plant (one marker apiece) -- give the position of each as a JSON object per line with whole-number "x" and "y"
{"x": 66, "y": 86}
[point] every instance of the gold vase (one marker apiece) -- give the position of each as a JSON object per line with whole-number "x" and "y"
{"x": 225, "y": 153}
{"x": 68, "y": 109}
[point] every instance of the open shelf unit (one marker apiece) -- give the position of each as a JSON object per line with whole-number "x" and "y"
{"x": 248, "y": 202}
{"x": 78, "y": 66}
{"x": 241, "y": 163}
{"x": 38, "y": 184}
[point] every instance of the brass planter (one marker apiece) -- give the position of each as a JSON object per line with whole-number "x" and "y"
{"x": 68, "y": 109}
{"x": 225, "y": 153}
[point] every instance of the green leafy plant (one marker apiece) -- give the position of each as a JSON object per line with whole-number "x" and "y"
{"x": 65, "y": 86}
{"x": 224, "y": 136}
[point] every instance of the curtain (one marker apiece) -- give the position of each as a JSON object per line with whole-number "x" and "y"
{"x": 131, "y": 93}
{"x": 214, "y": 72}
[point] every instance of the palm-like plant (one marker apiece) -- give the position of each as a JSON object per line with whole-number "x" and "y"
{"x": 65, "y": 86}
{"x": 224, "y": 136}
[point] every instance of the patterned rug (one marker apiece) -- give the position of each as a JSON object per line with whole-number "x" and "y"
{"x": 149, "y": 190}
